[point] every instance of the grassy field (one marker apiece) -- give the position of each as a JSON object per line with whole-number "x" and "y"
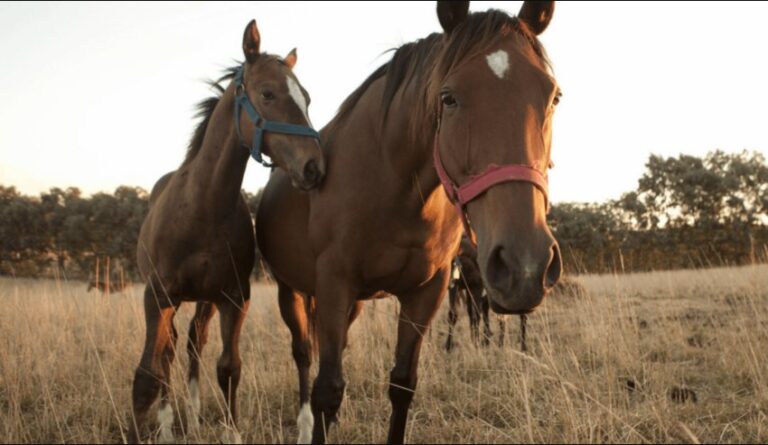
{"x": 609, "y": 366}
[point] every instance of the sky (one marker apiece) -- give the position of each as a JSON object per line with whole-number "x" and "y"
{"x": 96, "y": 95}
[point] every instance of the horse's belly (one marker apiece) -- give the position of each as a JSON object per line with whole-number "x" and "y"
{"x": 282, "y": 233}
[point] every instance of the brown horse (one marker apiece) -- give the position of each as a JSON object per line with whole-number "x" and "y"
{"x": 197, "y": 241}
{"x": 481, "y": 93}
{"x": 466, "y": 286}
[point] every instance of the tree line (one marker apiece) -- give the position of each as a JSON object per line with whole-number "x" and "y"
{"x": 686, "y": 212}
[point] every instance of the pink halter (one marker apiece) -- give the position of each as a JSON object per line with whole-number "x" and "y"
{"x": 476, "y": 185}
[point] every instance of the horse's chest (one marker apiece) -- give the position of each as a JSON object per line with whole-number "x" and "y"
{"x": 397, "y": 267}
{"x": 202, "y": 262}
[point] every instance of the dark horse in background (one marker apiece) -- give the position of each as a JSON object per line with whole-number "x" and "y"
{"x": 197, "y": 242}
{"x": 479, "y": 94}
{"x": 466, "y": 286}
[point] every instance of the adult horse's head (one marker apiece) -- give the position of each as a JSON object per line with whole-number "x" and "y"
{"x": 272, "y": 108}
{"x": 496, "y": 97}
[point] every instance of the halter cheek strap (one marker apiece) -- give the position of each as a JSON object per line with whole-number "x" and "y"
{"x": 461, "y": 195}
{"x": 261, "y": 124}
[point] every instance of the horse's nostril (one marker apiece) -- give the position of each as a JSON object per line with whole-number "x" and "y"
{"x": 311, "y": 172}
{"x": 554, "y": 269}
{"x": 498, "y": 272}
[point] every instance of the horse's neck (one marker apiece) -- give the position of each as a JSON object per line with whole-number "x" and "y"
{"x": 218, "y": 169}
{"x": 410, "y": 156}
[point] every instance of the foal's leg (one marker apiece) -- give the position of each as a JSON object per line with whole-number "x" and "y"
{"x": 453, "y": 301}
{"x": 151, "y": 374}
{"x": 229, "y": 364}
{"x": 416, "y": 311}
{"x": 198, "y": 337}
{"x": 293, "y": 309}
{"x": 165, "y": 413}
{"x": 335, "y": 302}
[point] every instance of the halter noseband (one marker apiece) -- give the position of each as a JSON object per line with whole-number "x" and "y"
{"x": 461, "y": 195}
{"x": 260, "y": 124}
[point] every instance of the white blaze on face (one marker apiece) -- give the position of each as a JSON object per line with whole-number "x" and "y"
{"x": 499, "y": 63}
{"x": 306, "y": 422}
{"x": 165, "y": 420}
{"x": 298, "y": 96}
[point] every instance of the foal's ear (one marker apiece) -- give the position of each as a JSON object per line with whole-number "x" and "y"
{"x": 291, "y": 59}
{"x": 536, "y": 15}
{"x": 251, "y": 42}
{"x": 451, "y": 13}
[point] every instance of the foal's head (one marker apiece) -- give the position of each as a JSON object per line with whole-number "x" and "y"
{"x": 496, "y": 97}
{"x": 277, "y": 96}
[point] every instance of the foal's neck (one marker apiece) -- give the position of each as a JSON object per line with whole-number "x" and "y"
{"x": 219, "y": 167}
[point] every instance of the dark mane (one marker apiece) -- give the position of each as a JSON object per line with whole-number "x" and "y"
{"x": 427, "y": 61}
{"x": 205, "y": 111}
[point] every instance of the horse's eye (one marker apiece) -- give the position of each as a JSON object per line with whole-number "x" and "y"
{"x": 448, "y": 100}
{"x": 557, "y": 99}
{"x": 267, "y": 95}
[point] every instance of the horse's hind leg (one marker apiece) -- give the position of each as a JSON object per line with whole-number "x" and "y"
{"x": 416, "y": 311}
{"x": 151, "y": 374}
{"x": 198, "y": 337}
{"x": 502, "y": 329}
{"x": 453, "y": 301}
{"x": 294, "y": 310}
{"x": 473, "y": 311}
{"x": 485, "y": 308}
{"x": 229, "y": 364}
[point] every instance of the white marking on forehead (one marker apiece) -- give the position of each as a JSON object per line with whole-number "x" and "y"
{"x": 295, "y": 91}
{"x": 499, "y": 62}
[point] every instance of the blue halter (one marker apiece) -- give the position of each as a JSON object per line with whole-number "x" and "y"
{"x": 261, "y": 124}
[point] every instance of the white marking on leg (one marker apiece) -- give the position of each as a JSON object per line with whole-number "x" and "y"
{"x": 305, "y": 421}
{"x": 165, "y": 420}
{"x": 499, "y": 62}
{"x": 298, "y": 96}
{"x": 193, "y": 407}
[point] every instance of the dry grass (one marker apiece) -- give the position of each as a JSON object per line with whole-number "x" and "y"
{"x": 67, "y": 359}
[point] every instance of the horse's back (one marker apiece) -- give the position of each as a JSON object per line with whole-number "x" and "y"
{"x": 282, "y": 233}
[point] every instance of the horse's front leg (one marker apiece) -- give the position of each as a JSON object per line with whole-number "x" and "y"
{"x": 294, "y": 310}
{"x": 153, "y": 373}
{"x": 335, "y": 304}
{"x": 232, "y": 315}
{"x": 198, "y": 337}
{"x": 417, "y": 309}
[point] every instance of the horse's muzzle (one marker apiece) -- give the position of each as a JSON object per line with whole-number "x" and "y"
{"x": 518, "y": 283}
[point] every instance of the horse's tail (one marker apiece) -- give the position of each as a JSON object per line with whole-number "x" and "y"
{"x": 310, "y": 305}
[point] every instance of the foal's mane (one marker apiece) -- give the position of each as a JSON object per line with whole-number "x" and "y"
{"x": 206, "y": 106}
{"x": 427, "y": 61}
{"x": 205, "y": 110}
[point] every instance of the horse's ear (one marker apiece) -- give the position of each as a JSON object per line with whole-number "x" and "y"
{"x": 251, "y": 42}
{"x": 451, "y": 13}
{"x": 537, "y": 15}
{"x": 291, "y": 59}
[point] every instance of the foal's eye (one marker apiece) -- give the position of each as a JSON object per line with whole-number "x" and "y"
{"x": 267, "y": 95}
{"x": 448, "y": 100}
{"x": 557, "y": 99}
